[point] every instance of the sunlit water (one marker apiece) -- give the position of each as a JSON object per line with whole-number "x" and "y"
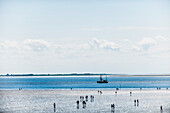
{"x": 41, "y": 101}
{"x": 38, "y": 94}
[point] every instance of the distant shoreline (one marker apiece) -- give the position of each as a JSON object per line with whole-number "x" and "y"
{"x": 82, "y": 75}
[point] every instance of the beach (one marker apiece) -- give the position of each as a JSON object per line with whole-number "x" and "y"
{"x": 41, "y": 101}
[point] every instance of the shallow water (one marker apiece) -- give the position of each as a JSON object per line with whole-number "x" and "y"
{"x": 38, "y": 94}
{"x": 41, "y": 101}
{"x": 82, "y": 82}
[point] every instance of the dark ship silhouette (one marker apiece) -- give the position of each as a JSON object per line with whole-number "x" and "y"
{"x": 102, "y": 81}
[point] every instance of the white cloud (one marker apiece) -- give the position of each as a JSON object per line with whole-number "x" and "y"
{"x": 36, "y": 45}
{"x": 103, "y": 44}
{"x": 1, "y": 45}
{"x": 146, "y": 43}
{"x": 163, "y": 45}
{"x": 136, "y": 49}
{"x": 9, "y": 45}
{"x": 158, "y": 46}
{"x": 110, "y": 46}
{"x": 95, "y": 44}
{"x": 162, "y": 38}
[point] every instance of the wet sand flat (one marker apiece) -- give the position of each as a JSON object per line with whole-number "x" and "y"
{"x": 41, "y": 101}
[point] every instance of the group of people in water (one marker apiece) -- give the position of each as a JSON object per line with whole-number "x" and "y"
{"x": 136, "y": 102}
{"x": 84, "y": 100}
{"x": 99, "y": 92}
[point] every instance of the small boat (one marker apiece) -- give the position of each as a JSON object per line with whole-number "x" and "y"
{"x": 102, "y": 81}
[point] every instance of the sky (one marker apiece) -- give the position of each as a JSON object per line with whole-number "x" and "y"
{"x": 85, "y": 36}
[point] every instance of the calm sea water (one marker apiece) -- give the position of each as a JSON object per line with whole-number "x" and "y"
{"x": 82, "y": 82}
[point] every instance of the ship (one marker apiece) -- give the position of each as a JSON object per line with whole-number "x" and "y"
{"x": 102, "y": 81}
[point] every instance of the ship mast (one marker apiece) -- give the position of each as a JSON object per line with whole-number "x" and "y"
{"x": 101, "y": 77}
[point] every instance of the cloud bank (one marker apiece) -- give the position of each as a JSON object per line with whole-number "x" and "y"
{"x": 37, "y": 55}
{"x": 147, "y": 45}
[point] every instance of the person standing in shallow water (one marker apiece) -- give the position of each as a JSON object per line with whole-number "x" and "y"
{"x": 54, "y": 107}
{"x": 135, "y": 102}
{"x": 161, "y": 108}
{"x": 130, "y": 93}
{"x": 115, "y": 92}
{"x": 100, "y": 92}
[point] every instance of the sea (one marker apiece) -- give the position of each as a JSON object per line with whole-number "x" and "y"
{"x": 38, "y": 94}
{"x": 84, "y": 82}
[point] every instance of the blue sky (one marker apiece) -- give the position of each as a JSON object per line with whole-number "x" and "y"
{"x": 110, "y": 36}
